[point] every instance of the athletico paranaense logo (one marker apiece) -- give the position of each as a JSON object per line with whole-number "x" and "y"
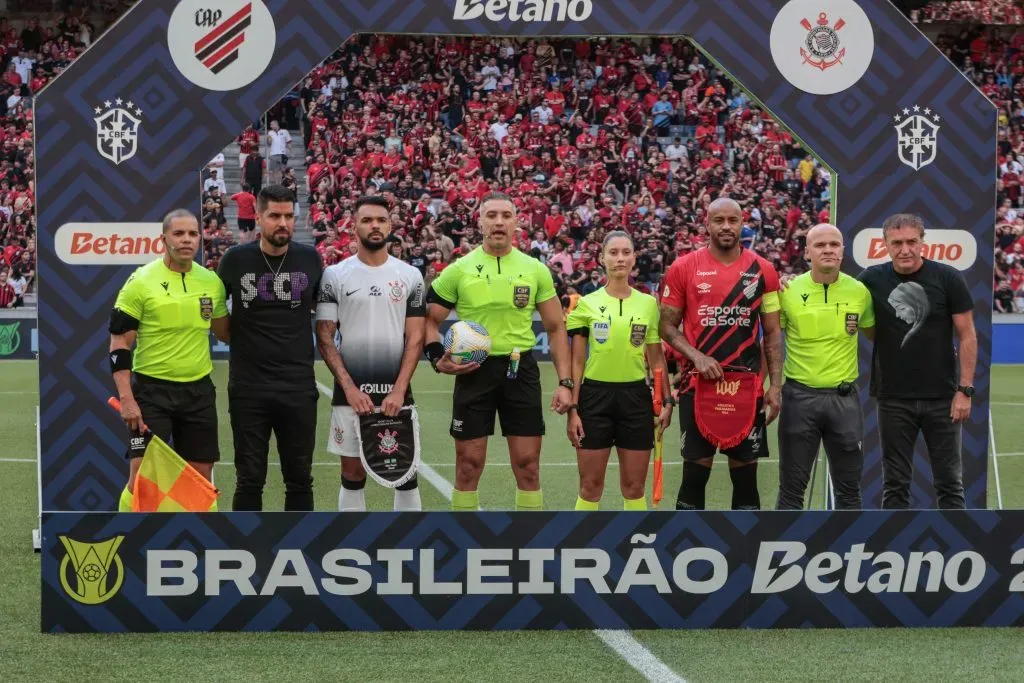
{"x": 221, "y": 45}
{"x": 218, "y": 49}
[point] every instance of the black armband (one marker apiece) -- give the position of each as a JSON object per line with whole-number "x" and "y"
{"x": 434, "y": 298}
{"x": 121, "y": 322}
{"x": 120, "y": 359}
{"x": 581, "y": 331}
{"x": 434, "y": 351}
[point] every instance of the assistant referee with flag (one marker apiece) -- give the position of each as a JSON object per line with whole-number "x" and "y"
{"x": 166, "y": 309}
{"x": 822, "y": 312}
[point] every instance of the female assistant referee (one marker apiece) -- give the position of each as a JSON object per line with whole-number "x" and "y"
{"x": 612, "y": 406}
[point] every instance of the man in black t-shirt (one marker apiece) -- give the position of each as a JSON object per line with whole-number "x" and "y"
{"x": 916, "y": 377}
{"x": 273, "y": 284}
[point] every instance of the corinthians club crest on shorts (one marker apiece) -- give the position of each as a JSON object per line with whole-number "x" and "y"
{"x": 851, "y": 323}
{"x": 339, "y": 435}
{"x": 823, "y": 50}
{"x": 205, "y": 307}
{"x": 521, "y": 296}
{"x": 917, "y": 138}
{"x": 637, "y": 334}
{"x": 117, "y": 130}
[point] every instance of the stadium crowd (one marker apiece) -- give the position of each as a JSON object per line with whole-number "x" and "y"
{"x": 587, "y": 136}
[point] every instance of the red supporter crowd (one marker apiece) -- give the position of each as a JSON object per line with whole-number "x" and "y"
{"x": 587, "y": 136}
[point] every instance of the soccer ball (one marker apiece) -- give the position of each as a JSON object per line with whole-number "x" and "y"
{"x": 468, "y": 342}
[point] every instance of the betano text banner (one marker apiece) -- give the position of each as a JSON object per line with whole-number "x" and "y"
{"x": 543, "y": 570}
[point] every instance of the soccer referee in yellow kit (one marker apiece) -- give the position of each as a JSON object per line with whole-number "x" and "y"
{"x": 166, "y": 309}
{"x": 822, "y": 312}
{"x": 614, "y": 339}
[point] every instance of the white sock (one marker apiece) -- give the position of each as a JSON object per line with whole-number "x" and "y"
{"x": 351, "y": 501}
{"x": 406, "y": 501}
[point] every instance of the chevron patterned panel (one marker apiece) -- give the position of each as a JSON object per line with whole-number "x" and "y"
{"x": 435, "y": 570}
{"x": 183, "y": 125}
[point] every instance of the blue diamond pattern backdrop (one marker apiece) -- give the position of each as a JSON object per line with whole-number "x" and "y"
{"x": 620, "y": 539}
{"x": 184, "y": 125}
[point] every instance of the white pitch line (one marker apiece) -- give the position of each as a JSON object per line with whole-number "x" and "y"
{"x": 638, "y": 656}
{"x": 624, "y": 644}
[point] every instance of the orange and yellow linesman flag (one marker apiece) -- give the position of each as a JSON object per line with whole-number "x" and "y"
{"x": 167, "y": 483}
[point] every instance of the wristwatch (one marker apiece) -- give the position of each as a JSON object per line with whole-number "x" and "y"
{"x": 567, "y": 383}
{"x": 966, "y": 391}
{"x": 668, "y": 401}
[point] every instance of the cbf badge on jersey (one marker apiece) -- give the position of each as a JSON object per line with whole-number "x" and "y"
{"x": 851, "y": 323}
{"x": 205, "y": 307}
{"x": 521, "y": 296}
{"x": 599, "y": 330}
{"x": 637, "y": 334}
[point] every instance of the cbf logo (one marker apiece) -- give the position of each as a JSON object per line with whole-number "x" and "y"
{"x": 117, "y": 130}
{"x": 221, "y": 44}
{"x": 91, "y": 573}
{"x": 917, "y": 136}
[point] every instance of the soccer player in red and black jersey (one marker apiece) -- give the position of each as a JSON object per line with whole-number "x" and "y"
{"x": 724, "y": 295}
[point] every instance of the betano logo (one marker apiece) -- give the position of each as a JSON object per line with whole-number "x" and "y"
{"x": 109, "y": 244}
{"x": 956, "y": 248}
{"x": 524, "y": 10}
{"x": 90, "y": 580}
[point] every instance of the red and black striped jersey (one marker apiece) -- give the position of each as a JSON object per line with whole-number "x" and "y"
{"x": 722, "y": 304}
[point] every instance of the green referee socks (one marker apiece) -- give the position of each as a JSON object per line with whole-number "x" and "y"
{"x": 587, "y": 505}
{"x": 529, "y": 500}
{"x": 125, "y": 504}
{"x": 465, "y": 501}
{"x": 635, "y": 504}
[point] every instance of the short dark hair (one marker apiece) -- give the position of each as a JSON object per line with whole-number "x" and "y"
{"x": 497, "y": 197}
{"x": 177, "y": 213}
{"x": 371, "y": 200}
{"x": 273, "y": 193}
{"x": 902, "y": 220}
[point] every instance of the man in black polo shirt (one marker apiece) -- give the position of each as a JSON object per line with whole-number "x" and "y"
{"x": 916, "y": 377}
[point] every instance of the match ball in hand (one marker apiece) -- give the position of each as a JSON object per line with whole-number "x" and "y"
{"x": 468, "y": 342}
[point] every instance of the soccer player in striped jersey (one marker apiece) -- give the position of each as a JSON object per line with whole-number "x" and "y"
{"x": 724, "y": 295}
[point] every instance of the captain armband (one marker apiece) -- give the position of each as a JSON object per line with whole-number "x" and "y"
{"x": 120, "y": 359}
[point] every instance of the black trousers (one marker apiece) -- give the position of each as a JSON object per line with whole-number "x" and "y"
{"x": 900, "y": 421}
{"x": 292, "y": 419}
{"x": 809, "y": 416}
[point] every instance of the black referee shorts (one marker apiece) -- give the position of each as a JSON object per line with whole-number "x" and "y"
{"x": 486, "y": 391}
{"x": 184, "y": 414}
{"x": 617, "y": 414}
{"x": 696, "y": 447}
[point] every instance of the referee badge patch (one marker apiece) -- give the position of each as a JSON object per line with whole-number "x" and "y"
{"x": 637, "y": 334}
{"x": 521, "y": 296}
{"x": 851, "y": 323}
{"x": 205, "y": 307}
{"x": 600, "y": 331}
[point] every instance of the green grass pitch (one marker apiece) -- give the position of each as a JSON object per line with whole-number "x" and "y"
{"x": 846, "y": 655}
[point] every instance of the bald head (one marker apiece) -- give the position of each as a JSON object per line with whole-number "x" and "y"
{"x": 825, "y": 249}
{"x": 725, "y": 220}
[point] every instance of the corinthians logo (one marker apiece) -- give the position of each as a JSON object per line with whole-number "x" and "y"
{"x": 823, "y": 50}
{"x": 85, "y": 572}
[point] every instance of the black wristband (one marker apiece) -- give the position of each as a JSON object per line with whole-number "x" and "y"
{"x": 434, "y": 351}
{"x": 120, "y": 359}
